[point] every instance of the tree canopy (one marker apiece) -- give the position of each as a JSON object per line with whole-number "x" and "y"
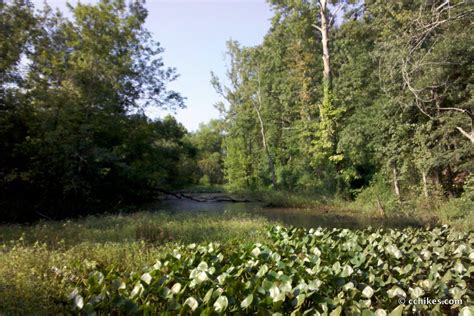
{"x": 397, "y": 110}
{"x": 73, "y": 92}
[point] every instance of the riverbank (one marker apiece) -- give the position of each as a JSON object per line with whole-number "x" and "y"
{"x": 291, "y": 209}
{"x": 376, "y": 210}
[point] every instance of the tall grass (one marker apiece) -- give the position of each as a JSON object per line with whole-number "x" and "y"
{"x": 36, "y": 259}
{"x": 379, "y": 201}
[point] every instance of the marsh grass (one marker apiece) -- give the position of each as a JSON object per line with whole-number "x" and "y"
{"x": 284, "y": 199}
{"x": 156, "y": 228}
{"x": 458, "y": 213}
{"x": 35, "y": 260}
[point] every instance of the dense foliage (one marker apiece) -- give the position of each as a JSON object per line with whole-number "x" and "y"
{"x": 339, "y": 97}
{"x": 396, "y": 110}
{"x": 317, "y": 271}
{"x": 73, "y": 135}
{"x": 208, "y": 161}
{"x": 36, "y": 260}
{"x": 360, "y": 99}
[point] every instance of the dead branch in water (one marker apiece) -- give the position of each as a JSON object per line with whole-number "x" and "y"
{"x": 221, "y": 198}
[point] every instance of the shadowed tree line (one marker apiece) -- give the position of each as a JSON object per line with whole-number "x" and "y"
{"x": 74, "y": 136}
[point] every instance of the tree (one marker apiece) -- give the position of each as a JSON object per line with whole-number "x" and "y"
{"x": 74, "y": 133}
{"x": 423, "y": 53}
{"x": 208, "y": 142}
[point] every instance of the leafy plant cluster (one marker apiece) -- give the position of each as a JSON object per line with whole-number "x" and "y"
{"x": 317, "y": 271}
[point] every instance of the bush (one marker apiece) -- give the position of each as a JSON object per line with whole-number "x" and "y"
{"x": 458, "y": 212}
{"x": 379, "y": 198}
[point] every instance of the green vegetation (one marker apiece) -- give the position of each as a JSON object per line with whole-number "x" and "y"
{"x": 375, "y": 108}
{"x": 38, "y": 261}
{"x": 375, "y": 203}
{"x": 207, "y": 142}
{"x": 73, "y": 133}
{"x": 386, "y": 117}
{"x": 151, "y": 262}
{"x": 355, "y": 109}
{"x": 318, "y": 270}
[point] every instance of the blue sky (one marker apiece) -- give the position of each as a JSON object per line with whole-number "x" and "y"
{"x": 193, "y": 34}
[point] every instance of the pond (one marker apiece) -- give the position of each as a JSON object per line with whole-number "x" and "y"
{"x": 324, "y": 217}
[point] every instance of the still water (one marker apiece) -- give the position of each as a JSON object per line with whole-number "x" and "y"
{"x": 289, "y": 216}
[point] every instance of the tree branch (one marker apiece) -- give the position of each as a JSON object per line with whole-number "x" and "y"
{"x": 469, "y": 136}
{"x": 455, "y": 109}
{"x": 333, "y": 17}
{"x": 317, "y": 27}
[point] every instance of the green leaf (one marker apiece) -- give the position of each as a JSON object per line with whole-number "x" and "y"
{"x": 262, "y": 271}
{"x": 208, "y": 296}
{"x": 247, "y": 301}
{"x": 274, "y": 292}
{"x": 286, "y": 287}
{"x": 176, "y": 288}
{"x": 202, "y": 266}
{"x": 398, "y": 311}
{"x": 467, "y": 311}
{"x": 221, "y": 278}
{"x": 146, "y": 277}
{"x": 300, "y": 300}
{"x": 267, "y": 285}
{"x": 78, "y": 302}
{"x": 255, "y": 252}
{"x": 221, "y": 304}
{"x": 316, "y": 251}
{"x": 426, "y": 284}
{"x": 336, "y": 312}
{"x": 396, "y": 291}
{"x": 157, "y": 265}
{"x": 368, "y": 292}
{"x": 192, "y": 303}
{"x": 314, "y": 285}
{"x": 380, "y": 312}
{"x": 394, "y": 251}
{"x": 201, "y": 277}
{"x": 367, "y": 312}
{"x": 118, "y": 284}
{"x": 416, "y": 292}
{"x": 459, "y": 268}
{"x": 346, "y": 271}
{"x": 137, "y": 290}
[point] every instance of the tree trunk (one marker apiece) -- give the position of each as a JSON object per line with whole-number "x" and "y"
{"x": 323, "y": 12}
{"x": 425, "y": 184}
{"x": 264, "y": 138}
{"x": 325, "y": 105}
{"x": 395, "y": 182}
{"x": 267, "y": 151}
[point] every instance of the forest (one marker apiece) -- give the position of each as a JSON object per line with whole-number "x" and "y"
{"x": 372, "y": 101}
{"x": 351, "y": 107}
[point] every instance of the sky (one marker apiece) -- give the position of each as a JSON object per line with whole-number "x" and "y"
{"x": 193, "y": 34}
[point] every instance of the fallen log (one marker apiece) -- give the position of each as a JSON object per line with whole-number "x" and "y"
{"x": 222, "y": 198}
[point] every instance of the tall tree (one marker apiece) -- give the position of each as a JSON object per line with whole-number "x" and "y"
{"x": 423, "y": 52}
{"x": 78, "y": 135}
